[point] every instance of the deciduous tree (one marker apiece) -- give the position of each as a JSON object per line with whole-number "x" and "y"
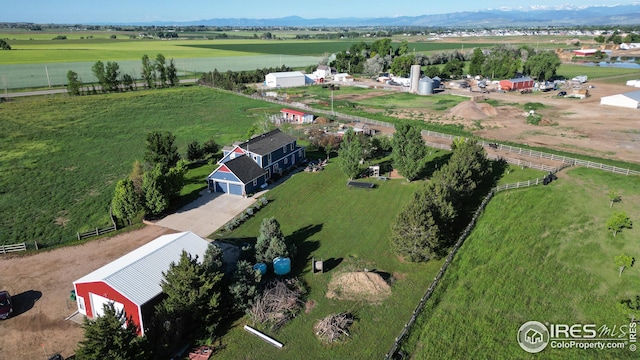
{"x": 161, "y": 69}
{"x": 614, "y": 197}
{"x": 475, "y": 66}
{"x": 112, "y": 75}
{"x": 542, "y": 66}
{"x": 623, "y": 261}
{"x": 350, "y": 154}
{"x": 172, "y": 74}
{"x": 618, "y": 221}
{"x": 4, "y": 45}
{"x": 99, "y": 72}
{"x": 73, "y": 83}
{"x": 148, "y": 72}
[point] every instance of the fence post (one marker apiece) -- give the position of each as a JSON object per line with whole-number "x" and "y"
{"x": 97, "y": 233}
{"x": 36, "y": 244}
{"x": 78, "y": 236}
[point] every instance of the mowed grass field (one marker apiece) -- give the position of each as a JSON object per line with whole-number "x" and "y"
{"x": 541, "y": 253}
{"x": 350, "y": 229}
{"x": 60, "y": 157}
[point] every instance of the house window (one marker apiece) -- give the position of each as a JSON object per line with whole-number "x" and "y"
{"x": 284, "y": 148}
{"x": 285, "y": 161}
{"x": 81, "y": 303}
{"x": 291, "y": 146}
{"x": 255, "y": 182}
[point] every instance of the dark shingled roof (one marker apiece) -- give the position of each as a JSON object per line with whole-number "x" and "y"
{"x": 244, "y": 168}
{"x": 268, "y": 142}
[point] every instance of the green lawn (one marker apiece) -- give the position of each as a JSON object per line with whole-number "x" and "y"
{"x": 61, "y": 156}
{"x": 541, "y": 253}
{"x": 352, "y": 227}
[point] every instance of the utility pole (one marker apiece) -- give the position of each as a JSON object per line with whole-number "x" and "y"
{"x": 332, "y": 100}
{"x": 47, "y": 71}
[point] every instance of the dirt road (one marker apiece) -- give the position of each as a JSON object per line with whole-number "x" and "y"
{"x": 40, "y": 285}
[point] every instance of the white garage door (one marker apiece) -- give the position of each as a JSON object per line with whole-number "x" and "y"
{"x": 98, "y": 302}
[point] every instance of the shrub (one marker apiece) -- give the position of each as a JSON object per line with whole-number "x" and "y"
{"x": 264, "y": 201}
{"x": 250, "y": 211}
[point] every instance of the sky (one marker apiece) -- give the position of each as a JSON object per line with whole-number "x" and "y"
{"x": 130, "y": 11}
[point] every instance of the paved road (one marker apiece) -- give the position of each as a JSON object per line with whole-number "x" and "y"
{"x": 64, "y": 91}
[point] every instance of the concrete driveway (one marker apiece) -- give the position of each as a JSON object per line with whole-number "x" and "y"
{"x": 207, "y": 213}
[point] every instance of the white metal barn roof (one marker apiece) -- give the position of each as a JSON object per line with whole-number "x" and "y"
{"x": 286, "y": 74}
{"x": 627, "y": 100}
{"x": 137, "y": 275}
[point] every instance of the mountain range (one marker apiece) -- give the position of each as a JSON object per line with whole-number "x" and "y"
{"x": 493, "y": 18}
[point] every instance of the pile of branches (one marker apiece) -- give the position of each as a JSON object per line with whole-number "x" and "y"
{"x": 334, "y": 327}
{"x": 279, "y": 303}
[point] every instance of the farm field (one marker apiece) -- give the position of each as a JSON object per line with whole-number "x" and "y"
{"x": 557, "y": 269}
{"x": 328, "y": 220}
{"x": 61, "y": 156}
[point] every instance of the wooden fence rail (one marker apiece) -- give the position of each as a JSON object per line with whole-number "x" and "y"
{"x": 508, "y": 148}
{"x": 434, "y": 283}
{"x": 96, "y": 232}
{"x": 12, "y": 248}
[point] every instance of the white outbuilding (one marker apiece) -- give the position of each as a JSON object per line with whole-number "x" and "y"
{"x": 634, "y": 83}
{"x": 284, "y": 79}
{"x": 629, "y": 100}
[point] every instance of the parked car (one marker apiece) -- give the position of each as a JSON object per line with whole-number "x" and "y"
{"x": 5, "y": 305}
{"x": 562, "y": 93}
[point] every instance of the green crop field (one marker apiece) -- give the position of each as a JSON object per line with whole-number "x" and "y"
{"x": 596, "y": 72}
{"x": 328, "y": 220}
{"x": 312, "y": 47}
{"x": 61, "y": 156}
{"x": 543, "y": 254}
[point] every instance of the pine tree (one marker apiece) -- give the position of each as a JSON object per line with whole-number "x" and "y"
{"x": 245, "y": 286}
{"x": 111, "y": 336}
{"x": 409, "y": 151}
{"x": 192, "y": 297}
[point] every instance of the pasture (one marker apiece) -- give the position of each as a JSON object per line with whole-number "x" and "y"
{"x": 60, "y": 156}
{"x": 557, "y": 269}
{"x": 328, "y": 220}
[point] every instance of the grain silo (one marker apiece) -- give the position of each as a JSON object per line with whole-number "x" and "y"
{"x": 425, "y": 86}
{"x": 415, "y": 78}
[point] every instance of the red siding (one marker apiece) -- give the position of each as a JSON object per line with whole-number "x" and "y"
{"x": 516, "y": 85}
{"x": 100, "y": 288}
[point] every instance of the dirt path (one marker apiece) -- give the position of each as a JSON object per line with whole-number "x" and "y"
{"x": 40, "y": 285}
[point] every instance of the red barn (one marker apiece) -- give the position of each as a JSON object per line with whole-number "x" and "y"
{"x": 295, "y": 116}
{"x": 132, "y": 282}
{"x": 518, "y": 84}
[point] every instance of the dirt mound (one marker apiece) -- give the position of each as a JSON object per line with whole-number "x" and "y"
{"x": 362, "y": 285}
{"x": 472, "y": 110}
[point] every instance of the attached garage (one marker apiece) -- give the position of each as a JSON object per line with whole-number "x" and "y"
{"x": 629, "y": 100}
{"x": 238, "y": 176}
{"x": 132, "y": 282}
